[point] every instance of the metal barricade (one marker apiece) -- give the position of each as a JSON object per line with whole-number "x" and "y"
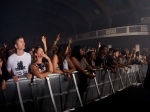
{"x": 54, "y": 93}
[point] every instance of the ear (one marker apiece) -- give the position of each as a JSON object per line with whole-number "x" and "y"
{"x": 35, "y": 54}
{"x": 15, "y": 46}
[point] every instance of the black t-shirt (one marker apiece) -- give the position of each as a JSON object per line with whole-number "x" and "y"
{"x": 110, "y": 58}
{"x": 101, "y": 61}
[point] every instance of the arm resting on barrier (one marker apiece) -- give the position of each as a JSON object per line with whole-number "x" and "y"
{"x": 88, "y": 66}
{"x": 70, "y": 64}
{"x": 37, "y": 73}
{"x": 54, "y": 63}
{"x": 80, "y": 69}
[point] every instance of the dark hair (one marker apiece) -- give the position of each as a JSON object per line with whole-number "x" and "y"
{"x": 137, "y": 52}
{"x": 16, "y": 39}
{"x": 123, "y": 53}
{"x": 35, "y": 51}
{"x": 89, "y": 55}
{"x": 102, "y": 47}
{"x": 111, "y": 49}
{"x": 61, "y": 55}
{"x": 76, "y": 53}
{"x": 115, "y": 50}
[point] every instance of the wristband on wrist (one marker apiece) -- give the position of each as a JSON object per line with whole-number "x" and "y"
{"x": 55, "y": 42}
{"x": 86, "y": 73}
{"x": 49, "y": 72}
{"x": 99, "y": 67}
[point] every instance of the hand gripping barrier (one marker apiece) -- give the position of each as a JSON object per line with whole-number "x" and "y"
{"x": 55, "y": 94}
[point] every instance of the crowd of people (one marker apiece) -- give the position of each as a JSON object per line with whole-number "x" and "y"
{"x": 42, "y": 61}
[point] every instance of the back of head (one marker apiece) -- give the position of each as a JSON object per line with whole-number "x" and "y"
{"x": 111, "y": 50}
{"x": 76, "y": 52}
{"x": 62, "y": 49}
{"x": 123, "y": 53}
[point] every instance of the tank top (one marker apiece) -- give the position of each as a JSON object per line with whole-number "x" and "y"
{"x": 65, "y": 65}
{"x": 41, "y": 67}
{"x": 82, "y": 64}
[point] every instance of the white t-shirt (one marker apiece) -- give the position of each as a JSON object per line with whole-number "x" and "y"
{"x": 19, "y": 65}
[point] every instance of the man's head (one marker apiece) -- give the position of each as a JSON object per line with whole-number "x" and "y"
{"x": 138, "y": 53}
{"x": 103, "y": 50}
{"x": 110, "y": 51}
{"x": 123, "y": 54}
{"x": 19, "y": 43}
{"x": 116, "y": 53}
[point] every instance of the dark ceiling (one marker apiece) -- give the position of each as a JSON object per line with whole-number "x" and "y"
{"x": 34, "y": 18}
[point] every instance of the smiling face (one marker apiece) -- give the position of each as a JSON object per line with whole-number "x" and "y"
{"x": 39, "y": 53}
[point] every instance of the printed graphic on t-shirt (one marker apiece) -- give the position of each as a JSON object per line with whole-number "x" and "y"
{"x": 20, "y": 70}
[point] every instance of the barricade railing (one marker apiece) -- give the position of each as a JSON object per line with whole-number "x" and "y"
{"x": 54, "y": 93}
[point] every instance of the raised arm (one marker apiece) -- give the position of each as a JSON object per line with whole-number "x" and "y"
{"x": 44, "y": 43}
{"x": 55, "y": 42}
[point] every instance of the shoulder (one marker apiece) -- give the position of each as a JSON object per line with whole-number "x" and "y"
{"x": 12, "y": 57}
{"x": 55, "y": 56}
{"x": 27, "y": 54}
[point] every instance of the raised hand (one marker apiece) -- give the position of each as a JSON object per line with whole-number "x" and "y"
{"x": 43, "y": 39}
{"x": 5, "y": 45}
{"x": 70, "y": 40}
{"x": 58, "y": 37}
{"x": 1, "y": 62}
{"x": 99, "y": 44}
{"x": 133, "y": 49}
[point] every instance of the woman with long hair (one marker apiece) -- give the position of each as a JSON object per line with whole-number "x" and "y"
{"x": 91, "y": 58}
{"x": 62, "y": 63}
{"x": 81, "y": 64}
{"x": 39, "y": 68}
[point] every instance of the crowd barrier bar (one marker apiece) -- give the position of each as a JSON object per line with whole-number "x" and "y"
{"x": 135, "y": 70}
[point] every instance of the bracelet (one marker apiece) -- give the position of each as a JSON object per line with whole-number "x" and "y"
{"x": 55, "y": 42}
{"x": 49, "y": 72}
{"x": 86, "y": 73}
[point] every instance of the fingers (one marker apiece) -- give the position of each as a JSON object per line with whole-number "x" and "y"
{"x": 29, "y": 76}
{"x": 90, "y": 76}
{"x": 15, "y": 78}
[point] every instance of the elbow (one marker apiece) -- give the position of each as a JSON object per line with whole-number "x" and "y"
{"x": 39, "y": 76}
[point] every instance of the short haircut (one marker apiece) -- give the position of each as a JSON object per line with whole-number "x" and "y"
{"x": 16, "y": 39}
{"x": 111, "y": 49}
{"x": 123, "y": 53}
{"x": 115, "y": 50}
{"x": 102, "y": 47}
